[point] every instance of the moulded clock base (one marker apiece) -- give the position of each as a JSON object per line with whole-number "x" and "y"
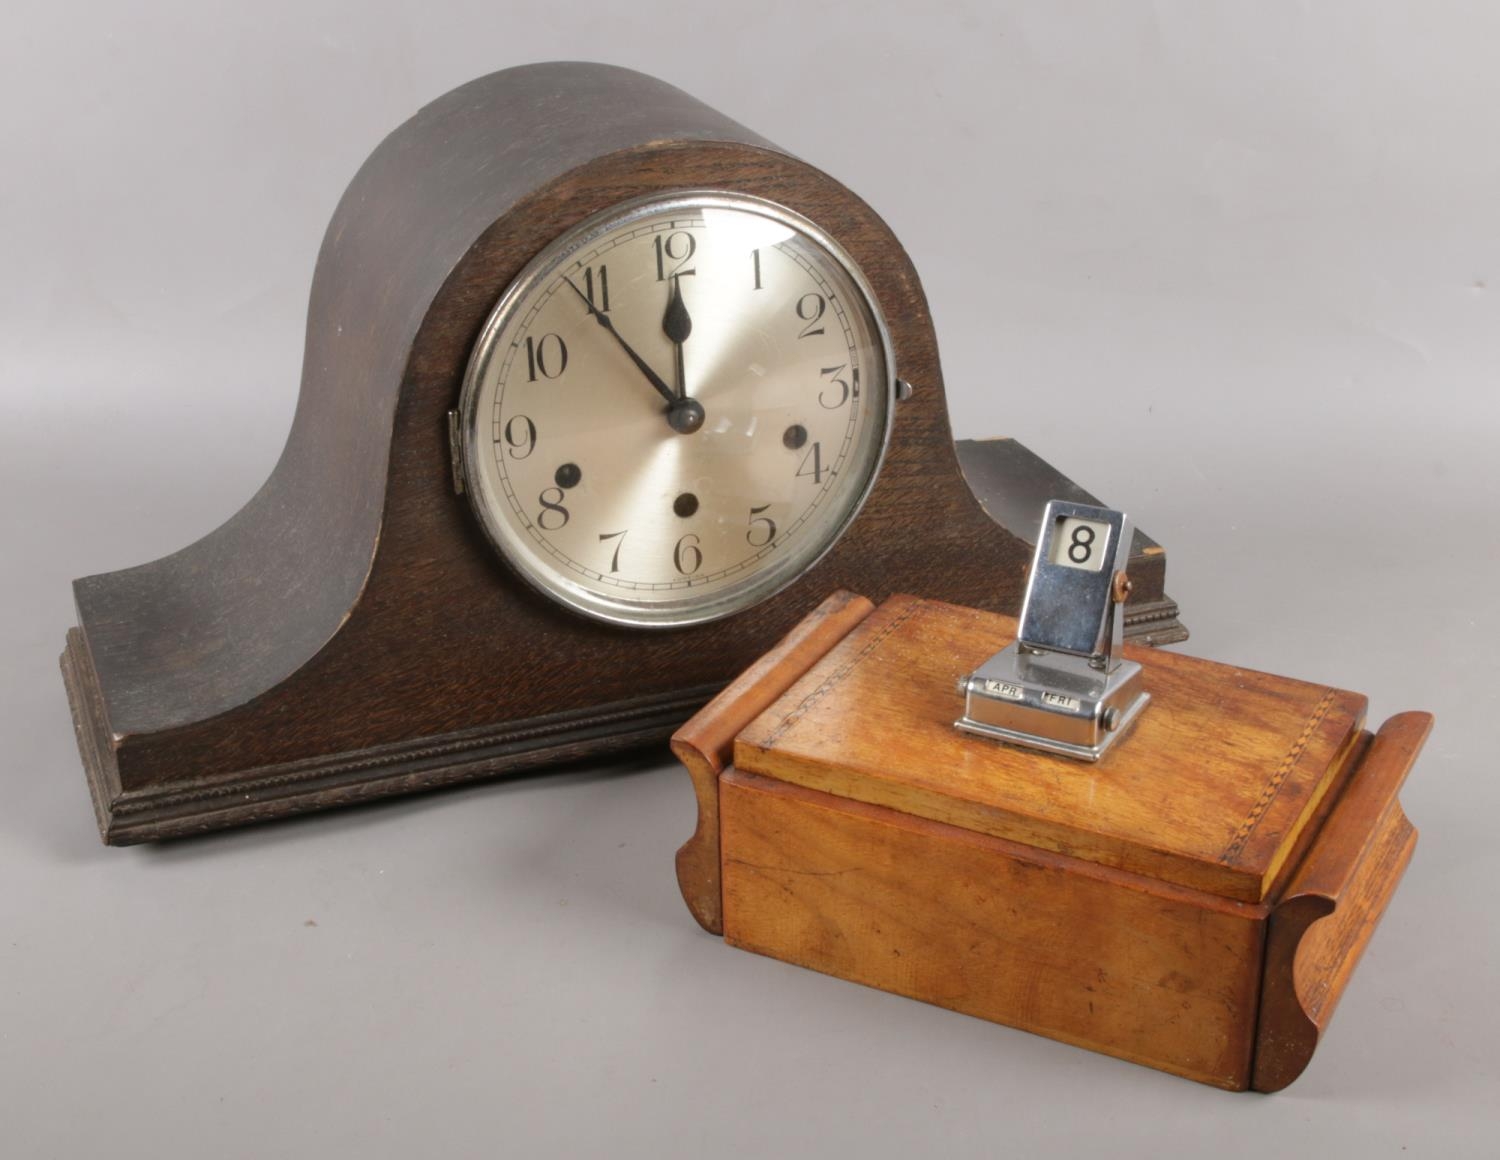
{"x": 150, "y": 813}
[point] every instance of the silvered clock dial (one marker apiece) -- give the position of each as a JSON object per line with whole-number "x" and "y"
{"x": 676, "y": 408}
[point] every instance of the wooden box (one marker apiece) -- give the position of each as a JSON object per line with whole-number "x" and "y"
{"x": 1195, "y": 901}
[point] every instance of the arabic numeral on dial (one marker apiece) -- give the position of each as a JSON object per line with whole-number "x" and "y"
{"x": 762, "y": 526}
{"x": 687, "y": 557}
{"x": 842, "y": 386}
{"x": 520, "y": 436}
{"x": 546, "y": 356}
{"x": 596, "y": 287}
{"x": 679, "y": 248}
{"x": 553, "y": 515}
{"x": 619, "y": 539}
{"x": 812, "y": 464}
{"x": 810, "y": 308}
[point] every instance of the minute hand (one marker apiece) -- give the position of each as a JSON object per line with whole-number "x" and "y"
{"x": 603, "y": 320}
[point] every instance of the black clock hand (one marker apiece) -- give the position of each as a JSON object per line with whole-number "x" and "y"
{"x": 603, "y": 320}
{"x": 677, "y": 325}
{"x": 683, "y": 415}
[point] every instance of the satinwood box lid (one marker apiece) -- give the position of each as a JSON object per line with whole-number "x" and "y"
{"x": 1212, "y": 789}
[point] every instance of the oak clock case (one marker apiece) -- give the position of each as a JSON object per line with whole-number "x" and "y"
{"x": 354, "y": 632}
{"x": 676, "y": 409}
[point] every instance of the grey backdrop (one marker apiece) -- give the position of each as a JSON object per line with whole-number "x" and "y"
{"x": 1236, "y": 267}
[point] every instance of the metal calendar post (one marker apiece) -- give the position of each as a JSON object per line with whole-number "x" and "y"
{"x": 1061, "y": 687}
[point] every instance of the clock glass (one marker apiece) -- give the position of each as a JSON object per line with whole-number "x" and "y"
{"x": 677, "y": 408}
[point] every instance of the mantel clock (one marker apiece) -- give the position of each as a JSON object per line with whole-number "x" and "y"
{"x": 602, "y": 392}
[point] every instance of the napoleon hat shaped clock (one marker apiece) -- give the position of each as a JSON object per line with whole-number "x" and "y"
{"x": 602, "y": 392}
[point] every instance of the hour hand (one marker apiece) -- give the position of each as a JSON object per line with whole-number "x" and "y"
{"x": 677, "y": 324}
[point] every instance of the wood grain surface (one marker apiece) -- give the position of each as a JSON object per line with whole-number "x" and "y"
{"x": 1209, "y": 790}
{"x": 1333, "y": 902}
{"x": 1196, "y": 901}
{"x": 705, "y": 743}
{"x": 1106, "y": 960}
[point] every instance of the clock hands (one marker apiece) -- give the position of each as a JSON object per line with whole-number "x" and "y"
{"x": 603, "y": 320}
{"x": 686, "y": 415}
{"x": 683, "y": 414}
{"x": 677, "y": 325}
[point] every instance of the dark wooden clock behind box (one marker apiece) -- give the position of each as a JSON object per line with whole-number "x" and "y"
{"x": 350, "y": 633}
